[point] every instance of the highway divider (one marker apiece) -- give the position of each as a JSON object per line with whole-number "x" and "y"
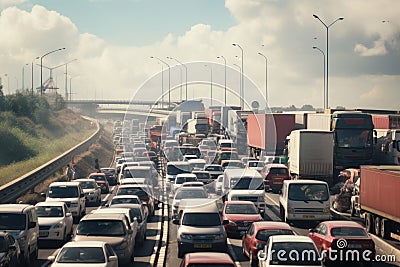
{"x": 14, "y": 189}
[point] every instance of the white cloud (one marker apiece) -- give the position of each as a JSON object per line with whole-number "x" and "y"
{"x": 378, "y": 49}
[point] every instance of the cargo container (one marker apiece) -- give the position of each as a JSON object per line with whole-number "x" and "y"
{"x": 237, "y": 129}
{"x": 380, "y": 200}
{"x": 224, "y": 115}
{"x": 311, "y": 155}
{"x": 387, "y": 147}
{"x": 387, "y": 121}
{"x": 266, "y": 133}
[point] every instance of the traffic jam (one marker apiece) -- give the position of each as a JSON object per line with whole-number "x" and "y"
{"x": 240, "y": 189}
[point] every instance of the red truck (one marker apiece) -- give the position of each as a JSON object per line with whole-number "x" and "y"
{"x": 379, "y": 200}
{"x": 267, "y": 133}
{"x": 386, "y": 121}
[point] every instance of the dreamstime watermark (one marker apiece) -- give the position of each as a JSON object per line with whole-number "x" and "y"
{"x": 345, "y": 252}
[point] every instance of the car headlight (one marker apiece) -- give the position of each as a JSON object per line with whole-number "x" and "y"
{"x": 232, "y": 223}
{"x": 122, "y": 245}
{"x": 186, "y": 237}
{"x": 219, "y": 237}
{"x": 58, "y": 225}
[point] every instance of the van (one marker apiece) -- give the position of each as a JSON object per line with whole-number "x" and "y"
{"x": 244, "y": 184}
{"x": 72, "y": 194}
{"x": 225, "y": 144}
{"x": 304, "y": 200}
{"x": 21, "y": 221}
{"x": 200, "y": 228}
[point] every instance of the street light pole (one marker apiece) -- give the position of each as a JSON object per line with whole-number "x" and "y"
{"x": 8, "y": 82}
{"x": 323, "y": 54}
{"x": 23, "y": 76}
{"x": 41, "y": 67}
{"x": 211, "y": 84}
{"x": 242, "y": 86}
{"x": 169, "y": 80}
{"x": 266, "y": 77}
{"x": 240, "y": 79}
{"x": 184, "y": 65}
{"x": 326, "y": 104}
{"x": 66, "y": 77}
{"x": 225, "y": 76}
{"x": 32, "y": 73}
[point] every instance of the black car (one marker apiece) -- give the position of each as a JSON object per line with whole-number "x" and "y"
{"x": 10, "y": 253}
{"x": 111, "y": 175}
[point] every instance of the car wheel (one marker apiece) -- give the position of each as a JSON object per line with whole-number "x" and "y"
{"x": 65, "y": 235}
{"x": 377, "y": 225}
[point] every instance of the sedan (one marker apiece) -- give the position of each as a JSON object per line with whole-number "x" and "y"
{"x": 10, "y": 253}
{"x": 55, "y": 221}
{"x": 129, "y": 199}
{"x": 342, "y": 235}
{"x": 111, "y": 175}
{"x": 214, "y": 169}
{"x": 101, "y": 180}
{"x": 256, "y": 236}
{"x": 185, "y": 193}
{"x": 240, "y": 215}
{"x": 85, "y": 253}
{"x": 207, "y": 259}
{"x": 91, "y": 190}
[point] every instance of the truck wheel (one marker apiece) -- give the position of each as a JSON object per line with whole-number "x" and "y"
{"x": 377, "y": 225}
{"x": 385, "y": 228}
{"x": 368, "y": 222}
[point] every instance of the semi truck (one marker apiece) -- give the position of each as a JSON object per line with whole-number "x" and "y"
{"x": 266, "y": 133}
{"x": 237, "y": 128}
{"x": 310, "y": 155}
{"x": 224, "y": 115}
{"x": 379, "y": 200}
{"x": 214, "y": 119}
{"x": 387, "y": 147}
{"x": 198, "y": 126}
{"x": 353, "y": 137}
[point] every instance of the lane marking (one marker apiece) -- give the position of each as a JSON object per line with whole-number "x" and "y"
{"x": 234, "y": 256}
{"x": 272, "y": 200}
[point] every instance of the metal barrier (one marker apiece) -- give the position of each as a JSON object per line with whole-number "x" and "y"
{"x": 14, "y": 189}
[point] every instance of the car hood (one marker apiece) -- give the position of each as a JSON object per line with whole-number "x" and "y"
{"x": 49, "y": 220}
{"x": 244, "y": 192}
{"x": 243, "y": 217}
{"x": 112, "y": 240}
{"x": 204, "y": 230}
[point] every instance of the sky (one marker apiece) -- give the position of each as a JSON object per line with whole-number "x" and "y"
{"x": 113, "y": 42}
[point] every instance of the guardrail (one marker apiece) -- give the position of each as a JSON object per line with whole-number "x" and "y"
{"x": 14, "y": 189}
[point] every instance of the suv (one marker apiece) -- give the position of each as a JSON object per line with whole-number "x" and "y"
{"x": 201, "y": 229}
{"x": 21, "y": 221}
{"x": 274, "y": 175}
{"x": 72, "y": 194}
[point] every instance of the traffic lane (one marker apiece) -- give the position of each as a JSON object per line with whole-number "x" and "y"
{"x": 172, "y": 251}
{"x": 302, "y": 228}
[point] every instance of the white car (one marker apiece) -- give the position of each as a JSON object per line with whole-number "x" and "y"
{"x": 255, "y": 165}
{"x": 85, "y": 253}
{"x": 91, "y": 190}
{"x": 185, "y": 193}
{"x": 55, "y": 221}
{"x": 218, "y": 184}
{"x": 182, "y": 178}
{"x": 289, "y": 250}
{"x": 129, "y": 199}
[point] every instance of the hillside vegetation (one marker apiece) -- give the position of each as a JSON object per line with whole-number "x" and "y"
{"x": 33, "y": 132}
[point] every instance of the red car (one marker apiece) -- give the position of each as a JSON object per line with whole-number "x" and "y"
{"x": 274, "y": 174}
{"x": 101, "y": 180}
{"x": 240, "y": 215}
{"x": 214, "y": 259}
{"x": 345, "y": 236}
{"x": 256, "y": 236}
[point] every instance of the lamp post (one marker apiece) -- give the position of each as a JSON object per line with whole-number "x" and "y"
{"x": 169, "y": 80}
{"x": 266, "y": 77}
{"x": 211, "y": 84}
{"x": 66, "y": 77}
{"x": 184, "y": 65}
{"x": 41, "y": 67}
{"x": 32, "y": 74}
{"x": 8, "y": 82}
{"x": 70, "y": 86}
{"x": 242, "y": 83}
{"x": 323, "y": 54}
{"x": 326, "y": 103}
{"x": 240, "y": 78}
{"x": 23, "y": 76}
{"x": 225, "y": 76}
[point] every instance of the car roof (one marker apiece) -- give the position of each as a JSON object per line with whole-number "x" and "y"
{"x": 138, "y": 168}
{"x": 106, "y": 216}
{"x": 276, "y": 165}
{"x": 85, "y": 180}
{"x": 14, "y": 207}
{"x": 238, "y": 202}
{"x": 85, "y": 244}
{"x": 125, "y": 196}
{"x": 186, "y": 175}
{"x": 209, "y": 257}
{"x": 197, "y": 161}
{"x": 339, "y": 224}
{"x": 97, "y": 174}
{"x": 243, "y": 172}
{"x": 64, "y": 184}
{"x": 50, "y": 203}
{"x": 271, "y": 225}
{"x": 290, "y": 238}
{"x": 132, "y": 186}
{"x": 301, "y": 181}
{"x": 125, "y": 205}
{"x": 178, "y": 163}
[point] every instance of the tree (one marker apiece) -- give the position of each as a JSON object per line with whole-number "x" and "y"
{"x": 307, "y": 107}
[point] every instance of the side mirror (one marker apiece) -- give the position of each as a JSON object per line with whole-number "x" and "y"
{"x": 43, "y": 194}
{"x": 107, "y": 205}
{"x": 112, "y": 258}
{"x": 225, "y": 222}
{"x": 68, "y": 214}
{"x": 51, "y": 258}
{"x": 311, "y": 230}
{"x": 175, "y": 222}
{"x": 32, "y": 225}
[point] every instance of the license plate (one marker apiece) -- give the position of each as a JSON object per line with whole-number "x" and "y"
{"x": 202, "y": 245}
{"x": 354, "y": 246}
{"x": 43, "y": 234}
{"x": 308, "y": 216}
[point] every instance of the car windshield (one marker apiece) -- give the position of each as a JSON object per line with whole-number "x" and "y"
{"x": 308, "y": 192}
{"x": 201, "y": 219}
{"x": 247, "y": 183}
{"x": 12, "y": 221}
{"x": 81, "y": 255}
{"x": 115, "y": 201}
{"x": 88, "y": 185}
{"x": 225, "y": 145}
{"x": 214, "y": 168}
{"x": 63, "y": 191}
{"x": 241, "y": 209}
{"x": 348, "y": 232}
{"x": 197, "y": 165}
{"x": 98, "y": 227}
{"x": 255, "y": 164}
{"x": 278, "y": 171}
{"x": 190, "y": 194}
{"x": 181, "y": 180}
{"x": 178, "y": 169}
{"x": 229, "y": 156}
{"x": 263, "y": 235}
{"x": 202, "y": 176}
{"x": 354, "y": 138}
{"x": 49, "y": 211}
{"x": 137, "y": 174}
{"x": 3, "y": 245}
{"x": 108, "y": 171}
{"x": 294, "y": 253}
{"x": 132, "y": 191}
